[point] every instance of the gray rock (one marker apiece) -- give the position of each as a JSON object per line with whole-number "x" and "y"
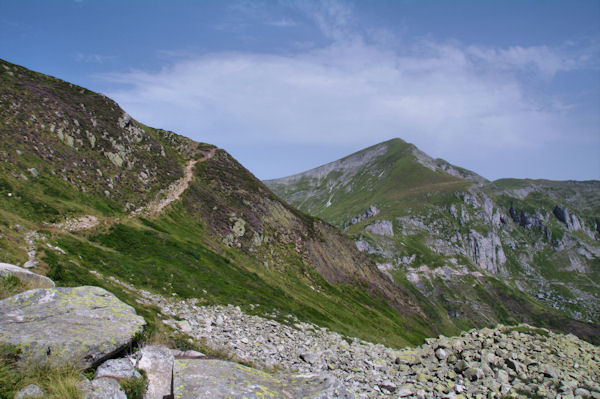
{"x": 30, "y": 391}
{"x": 404, "y": 392}
{"x": 103, "y": 388}
{"x": 83, "y": 325}
{"x": 36, "y": 280}
{"x": 189, "y": 354}
{"x": 584, "y": 393}
{"x": 474, "y": 373}
{"x": 382, "y": 228}
{"x": 461, "y": 365}
{"x": 117, "y": 369}
{"x": 157, "y": 362}
{"x": 441, "y": 354}
{"x": 515, "y": 365}
{"x": 551, "y": 372}
{"x": 210, "y": 378}
{"x": 502, "y": 377}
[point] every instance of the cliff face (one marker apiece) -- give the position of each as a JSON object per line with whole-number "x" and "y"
{"x": 464, "y": 243}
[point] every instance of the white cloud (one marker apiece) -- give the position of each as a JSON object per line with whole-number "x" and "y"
{"x": 93, "y": 58}
{"x": 448, "y": 98}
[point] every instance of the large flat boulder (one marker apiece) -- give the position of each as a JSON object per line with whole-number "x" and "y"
{"x": 211, "y": 378}
{"x": 84, "y": 325}
{"x": 37, "y": 280}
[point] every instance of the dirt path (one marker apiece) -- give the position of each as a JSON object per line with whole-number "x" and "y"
{"x": 173, "y": 193}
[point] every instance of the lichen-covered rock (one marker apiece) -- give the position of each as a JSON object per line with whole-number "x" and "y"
{"x": 25, "y": 275}
{"x": 117, "y": 369}
{"x": 157, "y": 362}
{"x": 103, "y": 388}
{"x": 84, "y": 325}
{"x": 204, "y": 378}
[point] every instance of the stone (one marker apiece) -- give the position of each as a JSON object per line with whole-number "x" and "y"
{"x": 441, "y": 354}
{"x": 404, "y": 392}
{"x": 103, "y": 388}
{"x": 36, "y": 280}
{"x": 382, "y": 228}
{"x": 211, "y": 378}
{"x": 157, "y": 362}
{"x": 474, "y": 373}
{"x": 29, "y": 392}
{"x": 551, "y": 372}
{"x": 584, "y": 393}
{"x": 184, "y": 326}
{"x": 117, "y": 369}
{"x": 310, "y": 358}
{"x": 189, "y": 354}
{"x": 515, "y": 365}
{"x": 461, "y": 365}
{"x": 82, "y": 325}
{"x": 502, "y": 376}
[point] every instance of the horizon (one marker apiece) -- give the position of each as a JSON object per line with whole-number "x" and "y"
{"x": 289, "y": 86}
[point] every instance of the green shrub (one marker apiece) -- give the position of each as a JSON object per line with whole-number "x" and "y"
{"x": 135, "y": 387}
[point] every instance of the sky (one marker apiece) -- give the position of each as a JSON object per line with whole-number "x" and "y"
{"x": 504, "y": 88}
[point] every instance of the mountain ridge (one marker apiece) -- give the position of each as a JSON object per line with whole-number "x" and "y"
{"x": 76, "y": 167}
{"x": 434, "y": 226}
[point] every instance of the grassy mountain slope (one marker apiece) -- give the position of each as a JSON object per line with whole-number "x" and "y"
{"x": 68, "y": 153}
{"x": 387, "y": 173}
{"x": 480, "y": 252}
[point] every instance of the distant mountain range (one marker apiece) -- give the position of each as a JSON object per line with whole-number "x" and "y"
{"x": 482, "y": 251}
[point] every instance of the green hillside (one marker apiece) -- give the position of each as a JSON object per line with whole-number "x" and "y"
{"x": 480, "y": 252}
{"x": 71, "y": 156}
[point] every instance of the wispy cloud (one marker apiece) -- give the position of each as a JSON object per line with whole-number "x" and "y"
{"x": 93, "y": 58}
{"x": 282, "y": 23}
{"x": 448, "y": 97}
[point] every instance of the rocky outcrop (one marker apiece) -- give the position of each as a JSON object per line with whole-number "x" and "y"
{"x": 370, "y": 212}
{"x": 194, "y": 378}
{"x": 496, "y": 362}
{"x": 486, "y": 251}
{"x": 381, "y": 228}
{"x": 82, "y": 325}
{"x": 34, "y": 279}
{"x": 567, "y": 217}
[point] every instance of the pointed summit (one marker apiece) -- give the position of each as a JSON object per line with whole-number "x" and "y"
{"x": 393, "y": 172}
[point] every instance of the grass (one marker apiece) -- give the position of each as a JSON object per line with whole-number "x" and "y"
{"x": 11, "y": 285}
{"x": 135, "y": 387}
{"x": 57, "y": 382}
{"x": 166, "y": 259}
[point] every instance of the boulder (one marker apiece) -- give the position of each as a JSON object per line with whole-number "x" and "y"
{"x": 82, "y": 325}
{"x": 34, "y": 279}
{"x": 103, "y": 388}
{"x": 211, "y": 378}
{"x": 117, "y": 369}
{"x": 157, "y": 362}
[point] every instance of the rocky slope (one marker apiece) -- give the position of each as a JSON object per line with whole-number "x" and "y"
{"x": 520, "y": 361}
{"x": 480, "y": 252}
{"x": 84, "y": 187}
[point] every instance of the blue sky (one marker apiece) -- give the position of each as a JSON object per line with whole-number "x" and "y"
{"x": 504, "y": 88}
